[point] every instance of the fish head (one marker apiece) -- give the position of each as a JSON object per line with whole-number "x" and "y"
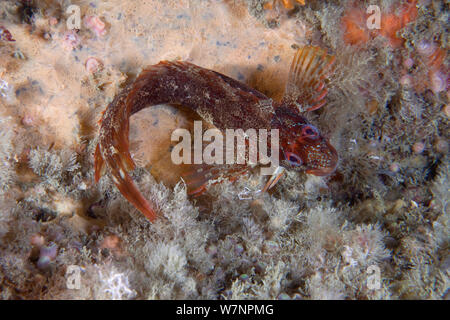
{"x": 310, "y": 152}
{"x": 303, "y": 148}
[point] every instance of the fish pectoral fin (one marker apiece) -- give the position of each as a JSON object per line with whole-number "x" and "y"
{"x": 198, "y": 178}
{"x": 306, "y": 82}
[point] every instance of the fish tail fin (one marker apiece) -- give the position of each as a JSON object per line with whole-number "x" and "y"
{"x": 99, "y": 164}
{"x": 306, "y": 86}
{"x": 119, "y": 166}
{"x": 131, "y": 192}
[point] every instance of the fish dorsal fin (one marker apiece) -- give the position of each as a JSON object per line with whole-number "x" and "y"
{"x": 306, "y": 83}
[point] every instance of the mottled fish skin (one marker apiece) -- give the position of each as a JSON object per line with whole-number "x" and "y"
{"x": 220, "y": 100}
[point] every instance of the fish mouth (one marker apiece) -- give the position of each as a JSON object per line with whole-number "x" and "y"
{"x": 326, "y": 171}
{"x": 322, "y": 171}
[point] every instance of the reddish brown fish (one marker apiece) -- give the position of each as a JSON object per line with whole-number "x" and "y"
{"x": 228, "y": 104}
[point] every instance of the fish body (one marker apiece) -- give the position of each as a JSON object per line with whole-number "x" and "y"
{"x": 227, "y": 104}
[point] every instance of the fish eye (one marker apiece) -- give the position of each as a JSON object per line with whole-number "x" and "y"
{"x": 293, "y": 159}
{"x": 309, "y": 131}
